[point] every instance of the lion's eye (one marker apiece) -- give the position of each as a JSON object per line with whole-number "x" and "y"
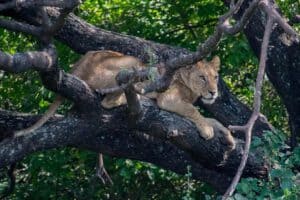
{"x": 202, "y": 78}
{"x": 216, "y": 77}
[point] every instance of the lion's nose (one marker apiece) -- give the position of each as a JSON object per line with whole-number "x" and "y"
{"x": 212, "y": 93}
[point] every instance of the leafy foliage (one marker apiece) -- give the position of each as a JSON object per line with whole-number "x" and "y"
{"x": 70, "y": 174}
{"x": 283, "y": 182}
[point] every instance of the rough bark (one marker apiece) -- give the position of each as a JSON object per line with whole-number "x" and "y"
{"x": 111, "y": 135}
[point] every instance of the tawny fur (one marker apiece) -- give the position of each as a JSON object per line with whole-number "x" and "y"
{"x": 99, "y": 69}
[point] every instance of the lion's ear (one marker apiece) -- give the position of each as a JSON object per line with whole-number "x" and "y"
{"x": 216, "y": 62}
{"x": 200, "y": 63}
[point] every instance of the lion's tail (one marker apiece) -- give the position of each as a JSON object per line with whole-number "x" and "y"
{"x": 48, "y": 114}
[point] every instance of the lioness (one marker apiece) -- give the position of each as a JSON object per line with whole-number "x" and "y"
{"x": 99, "y": 69}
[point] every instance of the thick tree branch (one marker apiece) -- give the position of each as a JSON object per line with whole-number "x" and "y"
{"x": 20, "y": 27}
{"x": 46, "y": 30}
{"x": 110, "y": 134}
{"x": 43, "y": 60}
{"x": 7, "y": 5}
{"x": 72, "y": 88}
{"x": 19, "y": 4}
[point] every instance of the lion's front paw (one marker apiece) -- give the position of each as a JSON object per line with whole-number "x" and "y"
{"x": 207, "y": 132}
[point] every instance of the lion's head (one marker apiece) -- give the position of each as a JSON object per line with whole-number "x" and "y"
{"x": 203, "y": 79}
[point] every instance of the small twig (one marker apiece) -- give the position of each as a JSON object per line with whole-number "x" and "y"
{"x": 101, "y": 172}
{"x": 257, "y": 103}
{"x": 232, "y": 30}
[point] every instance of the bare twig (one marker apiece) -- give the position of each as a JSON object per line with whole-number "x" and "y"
{"x": 101, "y": 172}
{"x": 257, "y": 102}
{"x": 231, "y": 30}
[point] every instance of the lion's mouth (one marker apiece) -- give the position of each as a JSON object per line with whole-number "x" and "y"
{"x": 209, "y": 100}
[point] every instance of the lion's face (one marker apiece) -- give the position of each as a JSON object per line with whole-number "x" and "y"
{"x": 204, "y": 80}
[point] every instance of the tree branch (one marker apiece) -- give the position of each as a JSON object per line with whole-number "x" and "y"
{"x": 111, "y": 135}
{"x": 43, "y": 60}
{"x": 133, "y": 103}
{"x": 19, "y": 4}
{"x": 271, "y": 11}
{"x": 20, "y": 27}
